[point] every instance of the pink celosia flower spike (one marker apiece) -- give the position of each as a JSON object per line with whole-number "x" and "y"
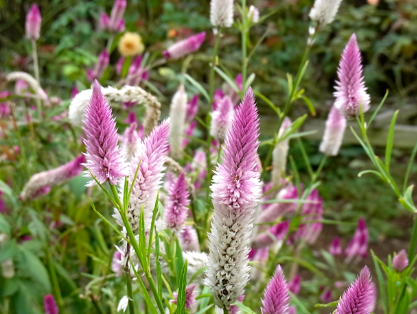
{"x": 189, "y": 297}
{"x": 104, "y": 158}
{"x": 189, "y": 239}
{"x": 295, "y": 284}
{"x": 400, "y": 261}
{"x": 276, "y": 297}
{"x": 222, "y": 119}
{"x": 236, "y": 191}
{"x": 33, "y": 23}
{"x": 350, "y": 88}
{"x": 185, "y": 46}
{"x": 192, "y": 109}
{"x": 176, "y": 206}
{"x": 116, "y": 14}
{"x": 40, "y": 183}
{"x": 188, "y": 134}
{"x": 150, "y": 155}
{"x": 116, "y": 265}
{"x": 266, "y": 238}
{"x": 333, "y": 134}
{"x": 359, "y": 296}
{"x": 100, "y": 67}
{"x": 104, "y": 21}
{"x": 358, "y": 246}
{"x": 335, "y": 248}
{"x": 50, "y": 305}
{"x": 74, "y": 91}
{"x": 131, "y": 118}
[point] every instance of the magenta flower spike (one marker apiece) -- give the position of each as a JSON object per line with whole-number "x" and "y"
{"x": 40, "y": 183}
{"x": 335, "y": 248}
{"x": 100, "y": 67}
{"x": 400, "y": 261}
{"x": 131, "y": 118}
{"x": 33, "y": 23}
{"x": 120, "y": 26}
{"x": 188, "y": 133}
{"x": 295, "y": 284}
{"x": 74, "y": 91}
{"x": 218, "y": 96}
{"x": 117, "y": 14}
{"x": 326, "y": 297}
{"x": 150, "y": 155}
{"x": 116, "y": 265}
{"x": 333, "y": 134}
{"x": 189, "y": 240}
{"x": 49, "y": 304}
{"x": 276, "y": 297}
{"x": 4, "y": 110}
{"x": 236, "y": 191}
{"x": 358, "y": 246}
{"x": 292, "y": 310}
{"x": 119, "y": 66}
{"x": 189, "y": 296}
{"x": 350, "y": 88}
{"x": 222, "y": 119}
{"x": 104, "y": 21}
{"x": 130, "y": 142}
{"x": 104, "y": 158}
{"x": 311, "y": 212}
{"x": 192, "y": 109}
{"x": 278, "y": 232}
{"x": 359, "y": 296}
{"x": 185, "y": 46}
{"x": 176, "y": 206}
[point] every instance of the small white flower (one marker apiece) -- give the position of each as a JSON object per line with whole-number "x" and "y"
{"x": 253, "y": 14}
{"x": 177, "y": 114}
{"x": 221, "y": 13}
{"x": 123, "y": 304}
{"x": 324, "y": 11}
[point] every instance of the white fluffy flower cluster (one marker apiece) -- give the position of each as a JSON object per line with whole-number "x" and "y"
{"x": 177, "y": 115}
{"x": 324, "y": 11}
{"x": 221, "y": 13}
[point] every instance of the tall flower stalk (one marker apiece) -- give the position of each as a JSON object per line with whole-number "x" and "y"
{"x": 235, "y": 192}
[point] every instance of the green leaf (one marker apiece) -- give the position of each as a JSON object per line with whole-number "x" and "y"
{"x": 198, "y": 86}
{"x": 360, "y": 174}
{"x": 229, "y": 80}
{"x": 8, "y": 250}
{"x": 249, "y": 81}
{"x": 289, "y": 83}
{"x": 244, "y": 308}
{"x": 407, "y": 200}
{"x": 269, "y": 103}
{"x": 4, "y": 225}
{"x": 381, "y": 282}
{"x": 390, "y": 141}
{"x": 181, "y": 290}
{"x": 309, "y": 105}
{"x": 24, "y": 302}
{"x": 205, "y": 309}
{"x": 9, "y": 287}
{"x": 126, "y": 66}
{"x": 410, "y": 164}
{"x": 35, "y": 269}
{"x": 377, "y": 109}
{"x": 299, "y": 304}
{"x": 331, "y": 304}
{"x": 329, "y": 259}
{"x": 179, "y": 260}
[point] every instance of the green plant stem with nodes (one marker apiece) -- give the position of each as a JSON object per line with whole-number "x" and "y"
{"x": 290, "y": 99}
{"x": 109, "y": 43}
{"x": 129, "y": 291}
{"x": 226, "y": 310}
{"x": 36, "y": 71}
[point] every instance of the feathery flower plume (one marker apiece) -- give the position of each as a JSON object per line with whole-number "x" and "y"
{"x": 100, "y": 67}
{"x": 189, "y": 240}
{"x": 221, "y": 13}
{"x": 359, "y": 296}
{"x": 116, "y": 265}
{"x": 33, "y": 23}
{"x": 400, "y": 261}
{"x": 104, "y": 21}
{"x": 40, "y": 183}
{"x": 279, "y": 155}
{"x": 176, "y": 206}
{"x": 295, "y": 284}
{"x": 130, "y": 45}
{"x": 189, "y": 133}
{"x": 189, "y": 297}
{"x": 358, "y": 246}
{"x": 276, "y": 297}
{"x": 116, "y": 14}
{"x": 236, "y": 191}
{"x": 222, "y": 119}
{"x": 350, "y": 88}
{"x": 50, "y": 305}
{"x": 151, "y": 156}
{"x": 278, "y": 232}
{"x": 253, "y": 14}
{"x": 185, "y": 46}
{"x": 277, "y": 210}
{"x": 177, "y": 116}
{"x": 333, "y": 134}
{"x": 324, "y": 11}
{"x": 104, "y": 158}
{"x": 131, "y": 142}
{"x": 312, "y": 212}
{"x": 335, "y": 248}
{"x": 33, "y": 83}
{"x": 192, "y": 109}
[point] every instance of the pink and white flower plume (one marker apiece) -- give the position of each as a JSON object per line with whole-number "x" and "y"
{"x": 359, "y": 297}
{"x": 177, "y": 116}
{"x": 350, "y": 88}
{"x": 280, "y": 155}
{"x": 104, "y": 158}
{"x": 150, "y": 155}
{"x": 222, "y": 118}
{"x": 192, "y": 109}
{"x": 189, "y": 297}
{"x": 176, "y": 209}
{"x": 49, "y": 304}
{"x": 188, "y": 239}
{"x": 236, "y": 191}
{"x": 276, "y": 297}
{"x": 400, "y": 261}
{"x": 333, "y": 133}
{"x": 33, "y": 23}
{"x": 185, "y": 46}
{"x": 130, "y": 142}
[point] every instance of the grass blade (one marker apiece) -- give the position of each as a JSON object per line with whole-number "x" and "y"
{"x": 390, "y": 141}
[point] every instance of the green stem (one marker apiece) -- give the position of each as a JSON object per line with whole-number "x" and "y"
{"x": 244, "y": 46}
{"x": 109, "y": 43}
{"x": 55, "y": 283}
{"x": 36, "y": 70}
{"x": 130, "y": 292}
{"x": 226, "y": 310}
{"x": 413, "y": 241}
{"x": 319, "y": 169}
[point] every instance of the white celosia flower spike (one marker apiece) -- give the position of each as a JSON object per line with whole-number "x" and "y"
{"x": 221, "y": 13}
{"x": 279, "y": 155}
{"x": 324, "y": 11}
{"x": 177, "y": 116}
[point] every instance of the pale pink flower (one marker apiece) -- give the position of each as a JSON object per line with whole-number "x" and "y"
{"x": 33, "y": 23}
{"x": 400, "y": 261}
{"x": 176, "y": 205}
{"x": 185, "y": 46}
{"x": 333, "y": 133}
